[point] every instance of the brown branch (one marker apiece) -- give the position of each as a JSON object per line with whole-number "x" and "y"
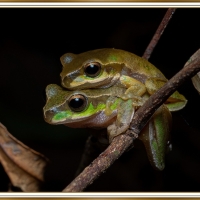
{"x": 158, "y": 33}
{"x": 100, "y": 164}
{"x": 122, "y": 142}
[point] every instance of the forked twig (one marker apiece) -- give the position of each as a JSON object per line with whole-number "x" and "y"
{"x": 158, "y": 33}
{"x": 122, "y": 142}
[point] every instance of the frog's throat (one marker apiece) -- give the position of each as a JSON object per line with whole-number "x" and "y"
{"x": 67, "y": 121}
{"x": 98, "y": 120}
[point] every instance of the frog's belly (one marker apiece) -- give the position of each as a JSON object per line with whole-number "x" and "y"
{"x": 100, "y": 120}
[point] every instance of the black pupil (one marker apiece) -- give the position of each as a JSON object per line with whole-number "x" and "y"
{"x": 92, "y": 69}
{"x": 76, "y": 103}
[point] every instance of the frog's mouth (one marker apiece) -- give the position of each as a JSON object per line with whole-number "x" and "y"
{"x": 98, "y": 82}
{"x": 70, "y": 120}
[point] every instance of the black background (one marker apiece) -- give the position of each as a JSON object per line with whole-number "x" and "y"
{"x": 31, "y": 43}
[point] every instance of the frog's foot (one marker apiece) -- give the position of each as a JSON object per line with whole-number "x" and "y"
{"x": 125, "y": 114}
{"x": 115, "y": 130}
{"x": 134, "y": 86}
{"x": 111, "y": 101}
{"x": 174, "y": 103}
{"x": 135, "y": 89}
{"x": 135, "y": 94}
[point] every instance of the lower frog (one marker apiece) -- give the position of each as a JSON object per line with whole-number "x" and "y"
{"x": 108, "y": 108}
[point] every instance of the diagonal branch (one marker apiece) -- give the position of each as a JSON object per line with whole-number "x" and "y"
{"x": 144, "y": 113}
{"x": 122, "y": 142}
{"x": 158, "y": 33}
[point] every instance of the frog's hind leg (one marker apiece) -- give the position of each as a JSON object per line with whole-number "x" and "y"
{"x": 155, "y": 137}
{"x": 174, "y": 103}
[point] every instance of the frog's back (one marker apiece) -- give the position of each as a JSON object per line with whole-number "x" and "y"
{"x": 135, "y": 63}
{"x": 131, "y": 61}
{"x": 109, "y": 56}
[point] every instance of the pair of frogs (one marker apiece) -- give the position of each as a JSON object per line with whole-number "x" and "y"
{"x": 104, "y": 89}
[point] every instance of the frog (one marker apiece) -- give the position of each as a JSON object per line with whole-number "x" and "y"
{"x": 103, "y": 68}
{"x": 109, "y": 108}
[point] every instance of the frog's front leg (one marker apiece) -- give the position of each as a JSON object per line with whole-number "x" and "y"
{"x": 135, "y": 90}
{"x": 174, "y": 103}
{"x": 125, "y": 112}
{"x": 155, "y": 136}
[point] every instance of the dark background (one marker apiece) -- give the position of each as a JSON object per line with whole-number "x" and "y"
{"x": 31, "y": 43}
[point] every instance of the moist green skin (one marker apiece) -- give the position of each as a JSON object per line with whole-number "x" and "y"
{"x": 125, "y": 70}
{"x": 122, "y": 69}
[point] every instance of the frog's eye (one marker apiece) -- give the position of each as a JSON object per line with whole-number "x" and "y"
{"x": 92, "y": 69}
{"x": 77, "y": 102}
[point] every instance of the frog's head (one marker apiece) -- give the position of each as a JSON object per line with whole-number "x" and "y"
{"x": 99, "y": 68}
{"x": 74, "y": 108}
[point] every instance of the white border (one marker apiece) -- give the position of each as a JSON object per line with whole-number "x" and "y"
{"x": 102, "y": 195}
{"x": 99, "y": 5}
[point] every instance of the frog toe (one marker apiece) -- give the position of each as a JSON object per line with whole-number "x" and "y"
{"x": 115, "y": 130}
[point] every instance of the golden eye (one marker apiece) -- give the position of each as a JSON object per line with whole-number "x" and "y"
{"x": 92, "y": 69}
{"x": 77, "y": 102}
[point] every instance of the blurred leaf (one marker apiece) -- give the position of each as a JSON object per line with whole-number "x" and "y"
{"x": 24, "y": 166}
{"x": 196, "y": 78}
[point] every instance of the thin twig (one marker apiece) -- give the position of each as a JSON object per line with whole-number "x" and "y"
{"x": 158, "y": 33}
{"x": 100, "y": 164}
{"x": 122, "y": 142}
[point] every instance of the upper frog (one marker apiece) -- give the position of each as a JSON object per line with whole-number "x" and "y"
{"x": 103, "y": 68}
